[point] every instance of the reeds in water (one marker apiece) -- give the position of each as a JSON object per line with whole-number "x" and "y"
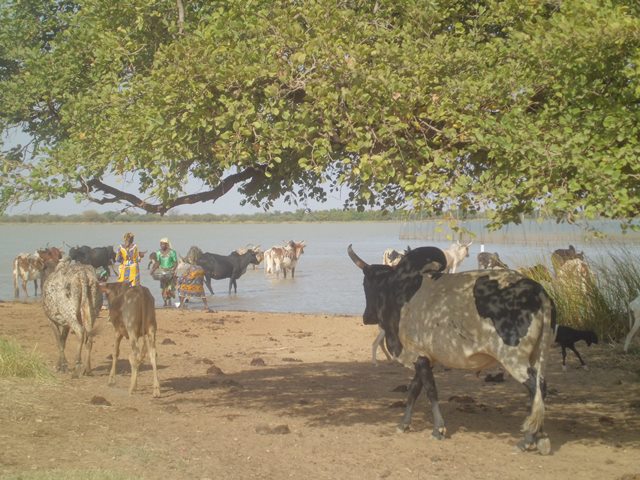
{"x": 599, "y": 300}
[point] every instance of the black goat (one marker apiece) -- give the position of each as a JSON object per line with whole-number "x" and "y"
{"x": 566, "y": 337}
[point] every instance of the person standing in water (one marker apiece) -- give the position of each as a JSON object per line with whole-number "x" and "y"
{"x": 129, "y": 259}
{"x": 164, "y": 269}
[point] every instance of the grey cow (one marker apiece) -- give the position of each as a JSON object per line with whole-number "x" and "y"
{"x": 470, "y": 320}
{"x": 71, "y": 301}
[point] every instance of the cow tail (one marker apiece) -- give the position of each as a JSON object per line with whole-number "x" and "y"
{"x": 535, "y": 421}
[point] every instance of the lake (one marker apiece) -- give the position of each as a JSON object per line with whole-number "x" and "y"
{"x": 326, "y": 280}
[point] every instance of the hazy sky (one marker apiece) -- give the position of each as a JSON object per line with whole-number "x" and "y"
{"x": 227, "y": 204}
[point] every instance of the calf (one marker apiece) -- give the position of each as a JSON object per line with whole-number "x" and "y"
{"x": 27, "y": 267}
{"x": 133, "y": 316}
{"x": 566, "y": 337}
{"x": 634, "y": 321}
{"x": 488, "y": 261}
{"x": 71, "y": 300}
{"x": 469, "y": 320}
{"x": 455, "y": 254}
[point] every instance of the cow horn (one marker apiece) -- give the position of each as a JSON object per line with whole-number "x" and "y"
{"x": 361, "y": 264}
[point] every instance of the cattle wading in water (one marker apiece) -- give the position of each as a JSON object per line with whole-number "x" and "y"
{"x": 470, "y": 320}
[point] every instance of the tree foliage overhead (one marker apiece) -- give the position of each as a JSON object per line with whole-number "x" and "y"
{"x": 505, "y": 105}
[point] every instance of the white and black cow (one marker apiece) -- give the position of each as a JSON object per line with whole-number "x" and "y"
{"x": 470, "y": 320}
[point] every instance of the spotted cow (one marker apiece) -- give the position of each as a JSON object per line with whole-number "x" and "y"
{"x": 471, "y": 320}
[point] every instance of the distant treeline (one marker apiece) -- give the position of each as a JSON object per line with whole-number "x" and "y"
{"x": 301, "y": 215}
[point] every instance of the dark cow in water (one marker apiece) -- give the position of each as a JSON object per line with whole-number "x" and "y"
{"x": 97, "y": 257}
{"x": 216, "y": 266}
{"x": 470, "y": 320}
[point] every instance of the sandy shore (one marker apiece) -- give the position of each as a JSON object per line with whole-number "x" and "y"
{"x": 258, "y": 395}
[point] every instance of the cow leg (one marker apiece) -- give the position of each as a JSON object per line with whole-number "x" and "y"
{"x": 424, "y": 369}
{"x": 415, "y": 387}
{"x": 114, "y": 357}
{"x": 293, "y": 272}
{"x": 379, "y": 342}
{"x": 35, "y": 287}
{"x": 573, "y": 349}
{"x": 134, "y": 361}
{"x": 24, "y": 288}
{"x": 207, "y": 282}
{"x": 150, "y": 340}
{"x": 61, "y": 339}
{"x": 82, "y": 337}
{"x": 424, "y": 377}
{"x": 89, "y": 344}
{"x": 564, "y": 357}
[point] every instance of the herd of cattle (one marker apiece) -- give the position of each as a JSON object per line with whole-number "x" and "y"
{"x": 426, "y": 313}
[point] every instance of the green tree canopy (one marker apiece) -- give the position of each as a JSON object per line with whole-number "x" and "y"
{"x": 505, "y": 105}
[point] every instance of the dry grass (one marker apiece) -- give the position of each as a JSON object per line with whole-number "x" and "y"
{"x": 16, "y": 362}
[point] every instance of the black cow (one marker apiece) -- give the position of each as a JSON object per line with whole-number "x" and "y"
{"x": 218, "y": 267}
{"x": 96, "y": 257}
{"x": 567, "y": 337}
{"x": 469, "y": 320}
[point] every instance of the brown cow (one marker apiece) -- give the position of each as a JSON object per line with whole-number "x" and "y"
{"x": 133, "y": 316}
{"x": 71, "y": 300}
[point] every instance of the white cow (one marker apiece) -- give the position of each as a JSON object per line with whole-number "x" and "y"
{"x": 27, "y": 267}
{"x": 455, "y": 254}
{"x": 280, "y": 259}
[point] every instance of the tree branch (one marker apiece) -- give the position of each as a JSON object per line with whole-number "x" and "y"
{"x": 180, "y": 16}
{"x": 115, "y": 195}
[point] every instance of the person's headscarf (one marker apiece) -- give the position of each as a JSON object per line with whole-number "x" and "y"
{"x": 165, "y": 240}
{"x": 128, "y": 236}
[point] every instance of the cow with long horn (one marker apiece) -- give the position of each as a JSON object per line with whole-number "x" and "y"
{"x": 470, "y": 320}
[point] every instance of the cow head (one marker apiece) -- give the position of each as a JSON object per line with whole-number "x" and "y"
{"x": 387, "y": 288}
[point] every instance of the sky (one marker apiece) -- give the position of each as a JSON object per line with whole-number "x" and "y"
{"x": 227, "y": 204}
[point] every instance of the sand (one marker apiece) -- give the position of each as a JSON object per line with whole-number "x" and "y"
{"x": 258, "y": 395}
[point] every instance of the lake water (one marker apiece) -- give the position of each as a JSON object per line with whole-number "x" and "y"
{"x": 326, "y": 280}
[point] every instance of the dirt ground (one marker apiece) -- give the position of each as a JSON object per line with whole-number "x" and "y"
{"x": 255, "y": 395}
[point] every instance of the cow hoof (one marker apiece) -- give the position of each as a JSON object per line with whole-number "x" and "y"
{"x": 544, "y": 446}
{"x": 524, "y": 445}
{"x": 402, "y": 428}
{"x": 439, "y": 434}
